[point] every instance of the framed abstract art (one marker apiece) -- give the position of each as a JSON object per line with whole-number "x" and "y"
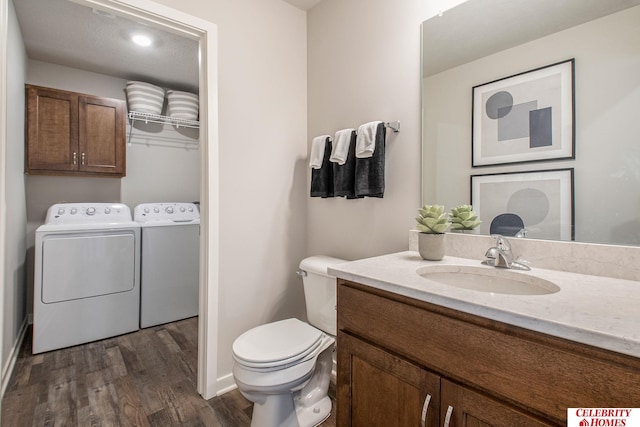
{"x": 537, "y": 204}
{"x": 526, "y": 117}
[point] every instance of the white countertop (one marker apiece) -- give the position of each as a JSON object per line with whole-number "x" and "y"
{"x": 600, "y": 311}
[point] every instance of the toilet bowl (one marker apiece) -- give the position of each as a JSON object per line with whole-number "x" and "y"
{"x": 285, "y": 367}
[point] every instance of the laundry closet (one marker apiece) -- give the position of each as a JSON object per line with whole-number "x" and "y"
{"x": 159, "y": 164}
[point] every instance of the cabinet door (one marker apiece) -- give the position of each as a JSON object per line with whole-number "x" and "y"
{"x": 462, "y": 407}
{"x": 379, "y": 389}
{"x": 102, "y": 135}
{"x": 52, "y": 130}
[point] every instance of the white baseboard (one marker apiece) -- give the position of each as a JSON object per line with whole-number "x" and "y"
{"x": 226, "y": 384}
{"x": 11, "y": 362}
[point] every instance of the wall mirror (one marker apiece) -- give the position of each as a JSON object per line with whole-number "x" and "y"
{"x": 481, "y": 41}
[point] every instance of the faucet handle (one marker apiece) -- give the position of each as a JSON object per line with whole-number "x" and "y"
{"x": 501, "y": 242}
{"x": 492, "y": 253}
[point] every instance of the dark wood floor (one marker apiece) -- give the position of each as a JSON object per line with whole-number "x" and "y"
{"x": 146, "y": 378}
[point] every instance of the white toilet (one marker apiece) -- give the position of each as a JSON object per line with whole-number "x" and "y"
{"x": 284, "y": 367}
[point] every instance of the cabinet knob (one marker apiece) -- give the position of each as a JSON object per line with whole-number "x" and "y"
{"x": 75, "y": 158}
{"x": 425, "y": 408}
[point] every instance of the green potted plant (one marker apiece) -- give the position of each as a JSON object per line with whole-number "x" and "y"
{"x": 464, "y": 219}
{"x": 432, "y": 223}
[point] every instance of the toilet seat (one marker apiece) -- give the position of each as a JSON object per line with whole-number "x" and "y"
{"x": 277, "y": 344}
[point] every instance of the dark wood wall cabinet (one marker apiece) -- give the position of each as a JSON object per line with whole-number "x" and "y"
{"x": 71, "y": 133}
{"x": 404, "y": 362}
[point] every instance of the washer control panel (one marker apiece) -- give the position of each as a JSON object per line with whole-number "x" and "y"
{"x": 166, "y": 213}
{"x": 82, "y": 213}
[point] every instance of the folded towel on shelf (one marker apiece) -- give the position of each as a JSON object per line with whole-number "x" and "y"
{"x": 322, "y": 177}
{"x": 317, "y": 151}
{"x": 369, "y": 176}
{"x": 366, "y": 141}
{"x": 344, "y": 175}
{"x": 341, "y": 143}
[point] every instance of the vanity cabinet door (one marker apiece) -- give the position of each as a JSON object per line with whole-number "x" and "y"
{"x": 463, "y": 407}
{"x": 379, "y": 389}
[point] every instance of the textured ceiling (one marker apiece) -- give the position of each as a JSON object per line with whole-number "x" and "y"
{"x": 66, "y": 33}
{"x": 69, "y": 34}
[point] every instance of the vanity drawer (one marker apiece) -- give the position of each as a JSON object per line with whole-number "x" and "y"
{"x": 543, "y": 374}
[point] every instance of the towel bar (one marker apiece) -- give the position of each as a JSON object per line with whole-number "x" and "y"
{"x": 395, "y": 126}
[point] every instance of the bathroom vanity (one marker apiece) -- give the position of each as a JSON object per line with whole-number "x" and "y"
{"x": 413, "y": 351}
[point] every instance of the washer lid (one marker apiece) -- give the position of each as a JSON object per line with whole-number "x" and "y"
{"x": 278, "y": 341}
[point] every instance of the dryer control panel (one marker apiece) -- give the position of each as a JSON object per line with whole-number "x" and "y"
{"x": 88, "y": 213}
{"x": 166, "y": 213}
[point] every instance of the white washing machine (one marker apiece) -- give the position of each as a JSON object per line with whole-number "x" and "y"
{"x": 87, "y": 281}
{"x": 169, "y": 280}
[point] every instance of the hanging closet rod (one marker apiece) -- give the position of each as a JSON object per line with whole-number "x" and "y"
{"x": 395, "y": 125}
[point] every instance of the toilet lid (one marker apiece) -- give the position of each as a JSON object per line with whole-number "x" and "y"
{"x": 286, "y": 340}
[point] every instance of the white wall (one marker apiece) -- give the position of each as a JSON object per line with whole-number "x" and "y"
{"x": 364, "y": 65}
{"x": 262, "y": 134}
{"x": 13, "y": 292}
{"x": 607, "y": 94}
{"x": 431, "y": 8}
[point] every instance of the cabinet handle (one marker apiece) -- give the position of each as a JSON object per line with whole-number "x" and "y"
{"x": 447, "y": 418}
{"x": 425, "y": 408}
{"x": 83, "y": 159}
{"x": 75, "y": 158}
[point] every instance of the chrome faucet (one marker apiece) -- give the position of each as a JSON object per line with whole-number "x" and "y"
{"x": 501, "y": 256}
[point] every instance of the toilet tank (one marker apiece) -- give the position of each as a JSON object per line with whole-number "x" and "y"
{"x": 320, "y": 292}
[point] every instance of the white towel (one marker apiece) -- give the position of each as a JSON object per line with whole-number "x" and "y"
{"x": 366, "y": 140}
{"x": 340, "y": 148}
{"x": 317, "y": 151}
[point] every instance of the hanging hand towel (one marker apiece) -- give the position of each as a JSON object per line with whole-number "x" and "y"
{"x": 341, "y": 143}
{"x": 366, "y": 141}
{"x": 370, "y": 172}
{"x": 322, "y": 178}
{"x": 317, "y": 151}
{"x": 344, "y": 175}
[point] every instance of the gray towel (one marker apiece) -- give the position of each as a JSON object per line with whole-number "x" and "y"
{"x": 370, "y": 172}
{"x": 322, "y": 179}
{"x": 344, "y": 176}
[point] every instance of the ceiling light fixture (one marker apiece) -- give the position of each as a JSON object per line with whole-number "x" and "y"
{"x": 141, "y": 40}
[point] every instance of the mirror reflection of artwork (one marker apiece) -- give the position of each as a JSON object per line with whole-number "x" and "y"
{"x": 507, "y": 224}
{"x": 526, "y": 117}
{"x": 539, "y": 202}
{"x": 480, "y": 41}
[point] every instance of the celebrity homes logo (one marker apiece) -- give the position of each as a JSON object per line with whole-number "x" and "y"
{"x": 603, "y": 417}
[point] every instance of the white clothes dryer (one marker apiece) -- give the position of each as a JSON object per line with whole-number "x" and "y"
{"x": 169, "y": 281}
{"x": 87, "y": 281}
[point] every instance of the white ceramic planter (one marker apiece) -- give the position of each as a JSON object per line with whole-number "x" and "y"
{"x": 431, "y": 246}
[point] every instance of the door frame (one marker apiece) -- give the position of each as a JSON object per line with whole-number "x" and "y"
{"x": 205, "y": 33}
{"x": 4, "y": 24}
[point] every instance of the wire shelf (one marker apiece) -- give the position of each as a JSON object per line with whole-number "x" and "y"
{"x": 157, "y": 118}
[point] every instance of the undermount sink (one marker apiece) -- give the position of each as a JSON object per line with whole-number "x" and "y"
{"x": 494, "y": 280}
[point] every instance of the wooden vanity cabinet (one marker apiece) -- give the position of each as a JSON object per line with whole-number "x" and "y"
{"x": 395, "y": 352}
{"x": 385, "y": 390}
{"x": 69, "y": 133}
